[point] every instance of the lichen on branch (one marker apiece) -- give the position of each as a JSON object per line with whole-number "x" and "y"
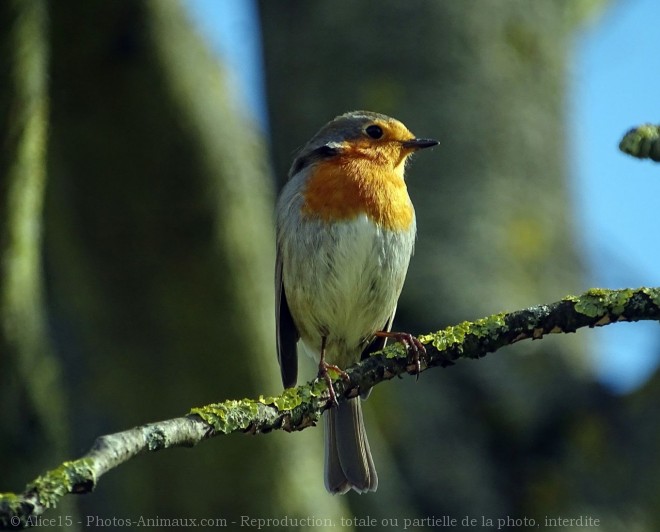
{"x": 301, "y": 407}
{"x": 642, "y": 142}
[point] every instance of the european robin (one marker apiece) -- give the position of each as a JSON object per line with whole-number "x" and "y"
{"x": 345, "y": 235}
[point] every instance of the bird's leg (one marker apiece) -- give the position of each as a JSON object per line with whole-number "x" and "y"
{"x": 323, "y": 372}
{"x": 415, "y": 348}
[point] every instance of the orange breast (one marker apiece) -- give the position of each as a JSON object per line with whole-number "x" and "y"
{"x": 343, "y": 188}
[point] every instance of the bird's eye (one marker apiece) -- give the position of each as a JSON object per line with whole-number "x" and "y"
{"x": 375, "y": 132}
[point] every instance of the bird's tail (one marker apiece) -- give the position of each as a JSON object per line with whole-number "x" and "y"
{"x": 348, "y": 461}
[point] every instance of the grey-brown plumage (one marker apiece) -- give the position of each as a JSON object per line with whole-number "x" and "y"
{"x": 348, "y": 461}
{"x": 345, "y": 235}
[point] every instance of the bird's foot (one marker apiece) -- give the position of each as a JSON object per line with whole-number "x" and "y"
{"x": 324, "y": 374}
{"x": 415, "y": 348}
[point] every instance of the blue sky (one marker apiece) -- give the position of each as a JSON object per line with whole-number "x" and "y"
{"x": 614, "y": 85}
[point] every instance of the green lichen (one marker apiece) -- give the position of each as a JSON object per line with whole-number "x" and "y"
{"x": 642, "y": 142}
{"x": 70, "y": 477}
{"x": 11, "y": 507}
{"x": 449, "y": 337}
{"x": 396, "y": 350}
{"x": 455, "y": 335}
{"x": 600, "y": 302}
{"x": 287, "y": 400}
{"x": 318, "y": 388}
{"x": 619, "y": 300}
{"x": 11, "y": 502}
{"x": 653, "y": 293}
{"x": 486, "y": 327}
{"x": 291, "y": 398}
{"x": 228, "y": 416}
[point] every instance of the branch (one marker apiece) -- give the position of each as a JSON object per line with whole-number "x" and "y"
{"x": 642, "y": 142}
{"x": 301, "y": 407}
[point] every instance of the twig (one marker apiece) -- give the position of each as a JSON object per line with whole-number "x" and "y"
{"x": 642, "y": 142}
{"x": 301, "y": 407}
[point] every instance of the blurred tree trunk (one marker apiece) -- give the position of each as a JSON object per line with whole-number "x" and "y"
{"x": 160, "y": 256}
{"x": 488, "y": 79}
{"x": 33, "y": 425}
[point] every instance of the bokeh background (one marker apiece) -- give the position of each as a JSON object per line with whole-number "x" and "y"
{"x": 143, "y": 145}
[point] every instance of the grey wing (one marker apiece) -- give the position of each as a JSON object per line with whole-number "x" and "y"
{"x": 287, "y": 334}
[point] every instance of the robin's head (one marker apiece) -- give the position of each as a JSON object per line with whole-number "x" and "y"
{"x": 361, "y": 135}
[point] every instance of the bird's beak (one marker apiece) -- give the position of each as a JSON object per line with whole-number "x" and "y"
{"x": 419, "y": 144}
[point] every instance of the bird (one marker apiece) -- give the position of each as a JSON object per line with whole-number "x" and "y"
{"x": 345, "y": 232}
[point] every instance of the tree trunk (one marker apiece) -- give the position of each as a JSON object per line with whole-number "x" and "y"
{"x": 160, "y": 254}
{"x": 33, "y": 425}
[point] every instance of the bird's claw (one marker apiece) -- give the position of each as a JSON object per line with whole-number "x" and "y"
{"x": 414, "y": 347}
{"x": 325, "y": 375}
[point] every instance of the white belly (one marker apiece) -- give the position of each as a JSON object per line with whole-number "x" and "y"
{"x": 342, "y": 281}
